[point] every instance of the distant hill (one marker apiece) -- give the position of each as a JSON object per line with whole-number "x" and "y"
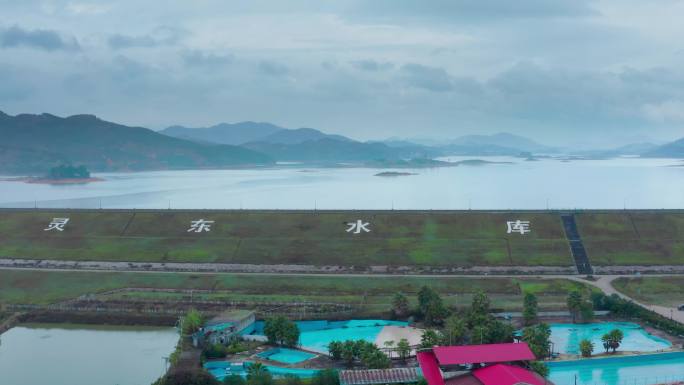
{"x": 246, "y": 132}
{"x": 300, "y": 135}
{"x": 326, "y": 150}
{"x": 35, "y": 143}
{"x": 225, "y": 133}
{"x": 670, "y": 150}
{"x": 498, "y": 144}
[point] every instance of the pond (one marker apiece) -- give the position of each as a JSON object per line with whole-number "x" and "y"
{"x": 84, "y": 355}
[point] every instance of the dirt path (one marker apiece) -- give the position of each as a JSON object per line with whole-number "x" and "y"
{"x": 605, "y": 283}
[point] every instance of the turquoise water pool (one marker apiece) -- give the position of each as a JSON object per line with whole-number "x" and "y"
{"x": 286, "y": 356}
{"x": 566, "y": 337}
{"x": 633, "y": 370}
{"x": 316, "y": 335}
{"x": 222, "y": 369}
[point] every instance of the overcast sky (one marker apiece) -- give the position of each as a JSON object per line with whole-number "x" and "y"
{"x": 563, "y": 70}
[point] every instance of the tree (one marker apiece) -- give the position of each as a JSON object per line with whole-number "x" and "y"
{"x": 455, "y": 330}
{"x": 586, "y": 347}
{"x": 529, "y": 309}
{"x": 429, "y": 339}
{"x": 375, "y": 359}
{"x": 479, "y": 310}
{"x": 188, "y": 377}
{"x": 258, "y": 374}
{"x": 400, "y": 305}
{"x": 540, "y": 368}
{"x": 403, "y": 349}
{"x": 431, "y": 306}
{"x": 192, "y": 322}
{"x": 612, "y": 340}
{"x": 290, "y": 379}
{"x": 326, "y": 377}
{"x": 349, "y": 352}
{"x": 587, "y": 310}
{"x": 281, "y": 331}
{"x": 233, "y": 379}
{"x": 425, "y": 296}
{"x": 498, "y": 332}
{"x": 574, "y": 302}
{"x": 538, "y": 339}
{"x": 335, "y": 350}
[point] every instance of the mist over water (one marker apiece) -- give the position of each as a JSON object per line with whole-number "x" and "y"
{"x": 631, "y": 183}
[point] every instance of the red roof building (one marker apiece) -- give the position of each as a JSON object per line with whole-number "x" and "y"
{"x": 498, "y": 372}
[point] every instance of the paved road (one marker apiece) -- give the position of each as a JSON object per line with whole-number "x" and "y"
{"x": 605, "y": 283}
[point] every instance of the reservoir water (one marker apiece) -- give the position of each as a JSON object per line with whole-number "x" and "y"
{"x": 84, "y": 355}
{"x": 600, "y": 184}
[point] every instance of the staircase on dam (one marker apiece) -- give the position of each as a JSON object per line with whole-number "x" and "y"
{"x": 579, "y": 254}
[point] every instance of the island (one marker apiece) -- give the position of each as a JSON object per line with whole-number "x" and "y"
{"x": 394, "y": 173}
{"x": 62, "y": 174}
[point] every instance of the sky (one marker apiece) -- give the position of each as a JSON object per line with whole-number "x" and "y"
{"x": 584, "y": 72}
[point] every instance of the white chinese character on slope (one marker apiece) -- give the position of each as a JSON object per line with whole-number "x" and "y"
{"x": 57, "y": 224}
{"x": 200, "y": 225}
{"x": 357, "y": 226}
{"x": 518, "y": 226}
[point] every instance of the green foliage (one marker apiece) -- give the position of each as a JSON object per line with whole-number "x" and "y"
{"x": 366, "y": 352}
{"x": 214, "y": 351}
{"x": 290, "y": 379}
{"x": 403, "y": 349}
{"x": 538, "y": 338}
{"x": 234, "y": 379}
{"x": 192, "y": 321}
{"x": 281, "y": 331}
{"x": 455, "y": 330}
{"x": 188, "y": 377}
{"x": 612, "y": 340}
{"x": 431, "y": 306}
{"x": 580, "y": 307}
{"x": 627, "y": 309}
{"x": 400, "y": 305}
{"x": 540, "y": 368}
{"x": 530, "y": 307}
{"x": 258, "y": 374}
{"x": 430, "y": 338}
{"x": 67, "y": 171}
{"x": 586, "y": 347}
{"x": 326, "y": 377}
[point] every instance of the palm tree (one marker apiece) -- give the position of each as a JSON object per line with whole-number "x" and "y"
{"x": 586, "y": 348}
{"x": 404, "y": 349}
{"x": 256, "y": 369}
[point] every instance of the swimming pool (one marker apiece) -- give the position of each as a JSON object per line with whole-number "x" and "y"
{"x": 286, "y": 356}
{"x": 316, "y": 335}
{"x": 640, "y": 370}
{"x": 566, "y": 337}
{"x": 222, "y": 369}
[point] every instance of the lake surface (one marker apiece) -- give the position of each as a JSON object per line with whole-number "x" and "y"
{"x": 585, "y": 184}
{"x": 83, "y": 355}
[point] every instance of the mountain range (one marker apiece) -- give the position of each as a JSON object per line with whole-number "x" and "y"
{"x": 34, "y": 143}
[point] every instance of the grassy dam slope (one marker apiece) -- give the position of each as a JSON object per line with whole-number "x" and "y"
{"x": 397, "y": 239}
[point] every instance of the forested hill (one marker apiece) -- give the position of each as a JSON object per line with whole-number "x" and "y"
{"x": 35, "y": 143}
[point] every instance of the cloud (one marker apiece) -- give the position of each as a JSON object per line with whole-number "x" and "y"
{"x": 197, "y": 58}
{"x": 273, "y": 68}
{"x": 449, "y": 10}
{"x": 372, "y": 65}
{"x": 667, "y": 111}
{"x": 43, "y": 39}
{"x": 159, "y": 37}
{"x": 426, "y": 77}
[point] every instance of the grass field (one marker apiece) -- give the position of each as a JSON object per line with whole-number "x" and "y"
{"x": 665, "y": 291}
{"x": 414, "y": 239}
{"x": 45, "y": 287}
{"x": 317, "y": 238}
{"x": 633, "y": 238}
